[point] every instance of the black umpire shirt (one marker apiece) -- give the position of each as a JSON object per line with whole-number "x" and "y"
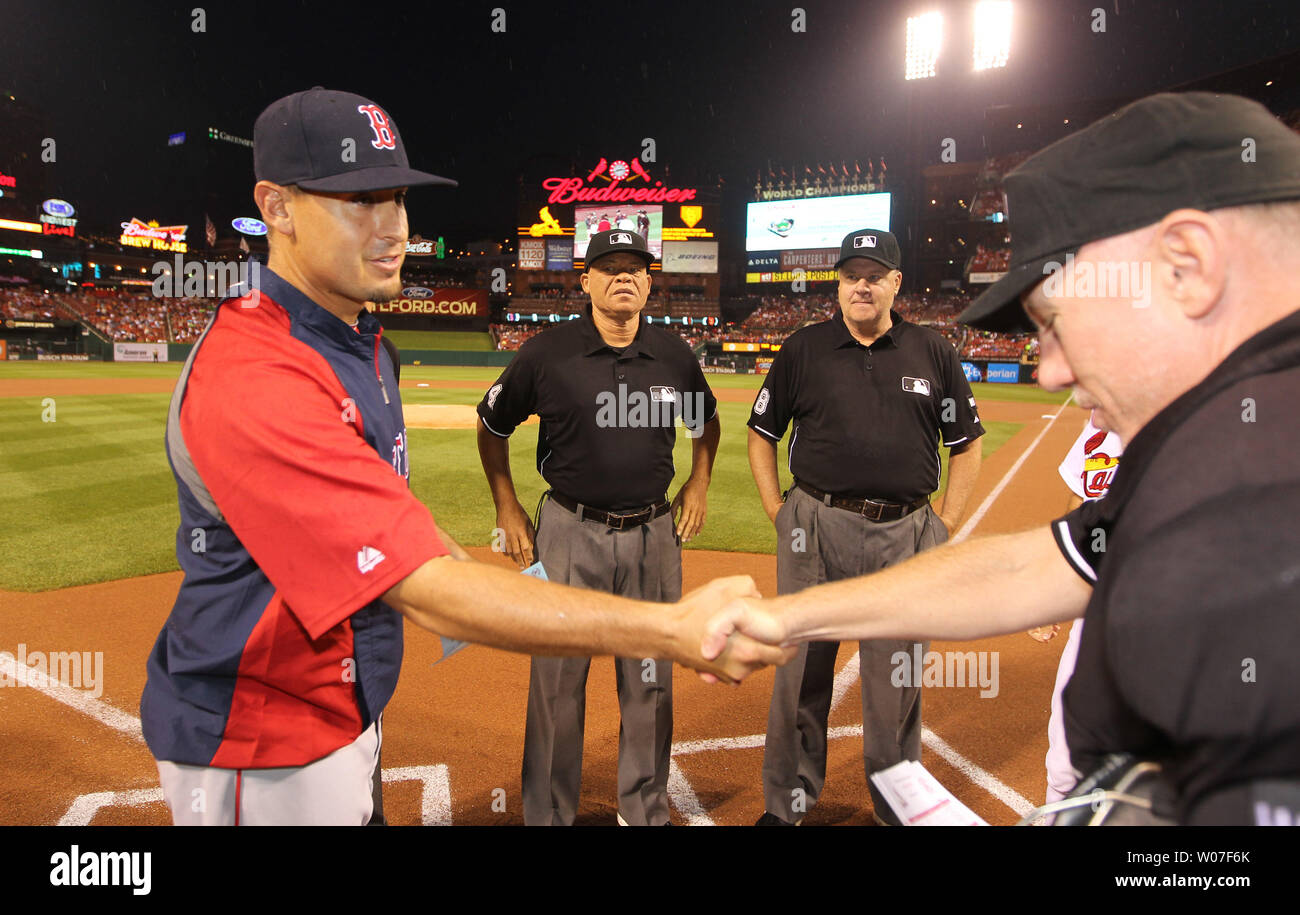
{"x": 1189, "y": 652}
{"x": 867, "y": 418}
{"x": 607, "y": 432}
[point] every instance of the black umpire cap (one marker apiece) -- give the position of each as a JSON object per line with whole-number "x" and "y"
{"x": 613, "y": 241}
{"x": 303, "y": 139}
{"x": 1131, "y": 169}
{"x": 877, "y": 244}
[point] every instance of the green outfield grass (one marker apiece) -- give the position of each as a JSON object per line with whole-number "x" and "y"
{"x": 89, "y": 497}
{"x": 90, "y": 369}
{"x": 441, "y": 339}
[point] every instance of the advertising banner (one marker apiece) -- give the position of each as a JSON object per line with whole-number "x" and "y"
{"x": 786, "y": 276}
{"x": 465, "y": 303}
{"x": 532, "y": 253}
{"x": 139, "y": 352}
{"x": 690, "y": 257}
{"x": 559, "y": 254}
{"x": 811, "y": 259}
{"x": 1003, "y": 372}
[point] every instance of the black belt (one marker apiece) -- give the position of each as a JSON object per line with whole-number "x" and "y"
{"x": 619, "y": 521}
{"x": 871, "y": 509}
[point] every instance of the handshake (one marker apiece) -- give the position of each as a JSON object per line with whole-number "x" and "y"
{"x": 725, "y": 631}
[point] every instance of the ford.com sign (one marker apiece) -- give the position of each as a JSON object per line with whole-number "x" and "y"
{"x": 417, "y": 292}
{"x": 452, "y": 302}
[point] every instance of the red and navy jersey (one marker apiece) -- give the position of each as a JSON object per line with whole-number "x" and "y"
{"x": 286, "y": 438}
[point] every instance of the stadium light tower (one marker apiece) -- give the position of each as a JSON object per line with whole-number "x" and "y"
{"x": 992, "y": 34}
{"x": 924, "y": 36}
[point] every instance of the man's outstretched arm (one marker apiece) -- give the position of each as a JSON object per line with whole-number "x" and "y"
{"x": 979, "y": 588}
{"x": 489, "y": 605}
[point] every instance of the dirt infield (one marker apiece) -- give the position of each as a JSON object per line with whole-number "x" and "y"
{"x": 454, "y": 731}
{"x": 446, "y": 416}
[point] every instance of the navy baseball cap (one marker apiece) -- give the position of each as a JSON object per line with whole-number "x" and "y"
{"x": 1131, "y": 169}
{"x": 613, "y": 241}
{"x": 876, "y": 244}
{"x": 302, "y": 139}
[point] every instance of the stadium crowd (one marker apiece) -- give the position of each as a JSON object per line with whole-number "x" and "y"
{"x": 119, "y": 316}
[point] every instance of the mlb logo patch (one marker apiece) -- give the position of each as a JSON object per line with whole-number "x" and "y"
{"x": 662, "y": 393}
{"x": 620, "y": 238}
{"x": 865, "y": 241}
{"x": 916, "y": 386}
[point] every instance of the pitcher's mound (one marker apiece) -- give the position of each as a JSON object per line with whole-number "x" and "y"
{"x": 444, "y": 416}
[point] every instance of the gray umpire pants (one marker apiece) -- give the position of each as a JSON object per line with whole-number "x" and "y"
{"x": 642, "y": 562}
{"x": 816, "y": 544}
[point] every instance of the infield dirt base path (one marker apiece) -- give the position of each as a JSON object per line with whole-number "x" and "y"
{"x": 90, "y": 765}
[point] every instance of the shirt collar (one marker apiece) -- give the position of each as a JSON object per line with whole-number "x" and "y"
{"x": 1274, "y": 348}
{"x": 305, "y": 311}
{"x": 844, "y": 338}
{"x": 593, "y": 342}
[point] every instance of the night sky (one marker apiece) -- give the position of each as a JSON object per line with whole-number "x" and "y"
{"x": 723, "y": 88}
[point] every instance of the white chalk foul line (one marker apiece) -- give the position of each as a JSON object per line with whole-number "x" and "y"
{"x": 435, "y": 794}
{"x": 78, "y": 699}
{"x": 980, "y": 512}
{"x": 683, "y": 797}
{"x": 989, "y": 782}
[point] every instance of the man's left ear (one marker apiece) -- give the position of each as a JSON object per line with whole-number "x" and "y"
{"x": 1190, "y": 260}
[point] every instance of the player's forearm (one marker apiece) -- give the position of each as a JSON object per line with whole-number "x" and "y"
{"x": 479, "y": 603}
{"x": 762, "y": 464}
{"x": 970, "y": 590}
{"x": 963, "y": 469}
{"x": 494, "y": 454}
{"x": 704, "y": 449}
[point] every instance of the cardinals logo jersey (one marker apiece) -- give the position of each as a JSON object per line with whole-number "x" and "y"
{"x": 1090, "y": 466}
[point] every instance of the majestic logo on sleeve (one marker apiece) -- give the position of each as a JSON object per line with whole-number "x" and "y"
{"x": 368, "y": 557}
{"x": 380, "y": 124}
{"x": 760, "y": 405}
{"x": 492, "y": 395}
{"x": 916, "y": 386}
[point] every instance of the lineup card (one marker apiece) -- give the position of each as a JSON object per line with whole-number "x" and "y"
{"x": 917, "y": 798}
{"x": 451, "y": 646}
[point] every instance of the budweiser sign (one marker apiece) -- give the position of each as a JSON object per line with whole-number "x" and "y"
{"x": 136, "y": 228}
{"x": 139, "y": 234}
{"x": 618, "y": 178}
